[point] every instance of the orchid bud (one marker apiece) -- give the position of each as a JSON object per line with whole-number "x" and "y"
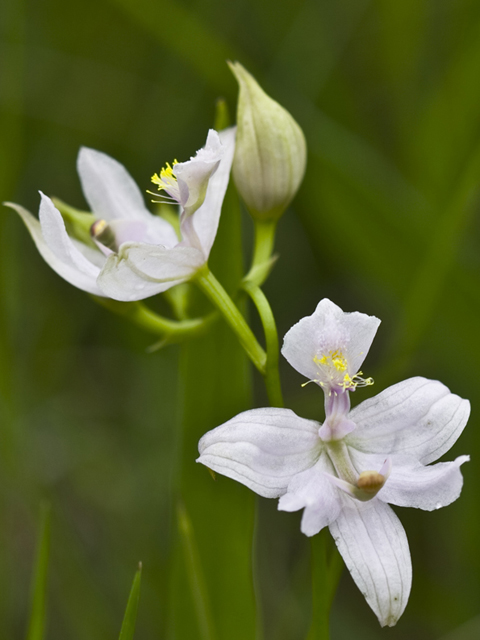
{"x": 270, "y": 153}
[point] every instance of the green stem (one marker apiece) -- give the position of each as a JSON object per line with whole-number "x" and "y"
{"x": 321, "y": 595}
{"x": 142, "y": 316}
{"x": 272, "y": 376}
{"x": 262, "y": 251}
{"x": 264, "y": 241}
{"x": 220, "y": 298}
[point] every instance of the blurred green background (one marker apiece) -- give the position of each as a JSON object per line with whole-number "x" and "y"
{"x": 388, "y": 96}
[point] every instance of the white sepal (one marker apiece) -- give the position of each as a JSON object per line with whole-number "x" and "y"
{"x": 416, "y": 417}
{"x": 262, "y": 448}
{"x": 66, "y": 259}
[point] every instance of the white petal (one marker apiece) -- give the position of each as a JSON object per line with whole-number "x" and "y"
{"x": 67, "y": 260}
{"x": 161, "y": 264}
{"x": 93, "y": 255}
{"x": 113, "y": 194}
{"x": 206, "y": 218}
{"x": 311, "y": 489}
{"x": 374, "y": 547}
{"x": 329, "y": 329}
{"x": 139, "y": 271}
{"x": 418, "y": 417}
{"x": 411, "y": 484}
{"x": 262, "y": 448}
{"x": 150, "y": 230}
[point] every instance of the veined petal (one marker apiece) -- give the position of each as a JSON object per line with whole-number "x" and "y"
{"x": 162, "y": 264}
{"x": 329, "y": 330}
{"x": 150, "y": 230}
{"x": 128, "y": 275}
{"x": 417, "y": 417}
{"x": 262, "y": 448}
{"x": 206, "y": 218}
{"x": 113, "y": 194}
{"x": 67, "y": 260}
{"x": 411, "y": 484}
{"x": 374, "y": 547}
{"x": 312, "y": 490}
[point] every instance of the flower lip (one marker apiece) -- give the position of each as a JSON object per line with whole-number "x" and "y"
{"x": 329, "y": 346}
{"x": 186, "y": 183}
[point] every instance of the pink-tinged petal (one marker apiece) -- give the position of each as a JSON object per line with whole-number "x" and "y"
{"x": 60, "y": 253}
{"x": 417, "y": 417}
{"x": 327, "y": 330}
{"x": 312, "y": 491}
{"x": 262, "y": 448}
{"x": 411, "y": 484}
{"x": 374, "y": 547}
{"x": 206, "y": 218}
{"x": 113, "y": 194}
{"x": 122, "y": 279}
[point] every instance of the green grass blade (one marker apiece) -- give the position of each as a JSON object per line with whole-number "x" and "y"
{"x": 129, "y": 620}
{"x": 195, "y": 575}
{"x": 36, "y": 625}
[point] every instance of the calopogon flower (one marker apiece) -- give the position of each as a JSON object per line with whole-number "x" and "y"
{"x": 135, "y": 254}
{"x": 346, "y": 472}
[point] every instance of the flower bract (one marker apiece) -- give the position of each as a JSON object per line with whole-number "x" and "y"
{"x": 345, "y": 472}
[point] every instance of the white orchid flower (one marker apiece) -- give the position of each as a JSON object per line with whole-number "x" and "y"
{"x": 138, "y": 254}
{"x": 345, "y": 472}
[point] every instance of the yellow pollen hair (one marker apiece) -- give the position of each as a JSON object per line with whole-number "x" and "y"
{"x": 333, "y": 358}
{"x": 166, "y": 178}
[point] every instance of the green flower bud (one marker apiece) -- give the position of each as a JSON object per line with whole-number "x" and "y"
{"x": 270, "y": 152}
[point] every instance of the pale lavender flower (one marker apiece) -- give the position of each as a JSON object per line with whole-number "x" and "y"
{"x": 344, "y": 473}
{"x": 138, "y": 254}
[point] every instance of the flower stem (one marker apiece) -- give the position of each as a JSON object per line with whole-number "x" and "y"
{"x": 319, "y": 629}
{"x": 264, "y": 240}
{"x": 170, "y": 330}
{"x": 262, "y": 251}
{"x": 272, "y": 376}
{"x": 220, "y": 298}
